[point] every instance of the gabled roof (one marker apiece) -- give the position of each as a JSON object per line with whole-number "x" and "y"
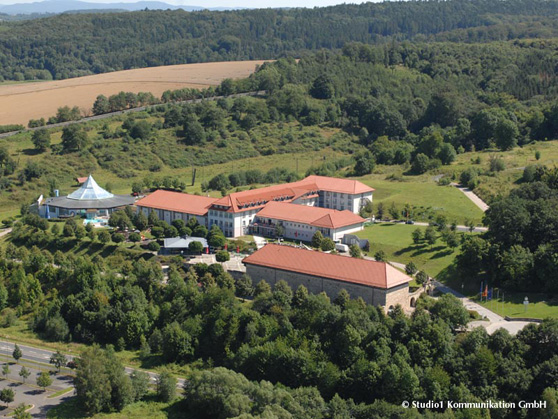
{"x": 90, "y": 191}
{"x": 287, "y": 192}
{"x": 333, "y": 184}
{"x": 325, "y": 265}
{"x": 316, "y": 216}
{"x": 177, "y": 201}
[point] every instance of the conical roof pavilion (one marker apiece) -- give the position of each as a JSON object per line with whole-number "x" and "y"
{"x": 90, "y": 190}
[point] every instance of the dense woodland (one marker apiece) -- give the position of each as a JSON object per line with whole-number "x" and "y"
{"x": 39, "y": 49}
{"x": 411, "y": 84}
{"x": 356, "y": 359}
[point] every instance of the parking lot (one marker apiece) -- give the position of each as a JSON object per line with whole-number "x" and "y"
{"x": 31, "y": 394}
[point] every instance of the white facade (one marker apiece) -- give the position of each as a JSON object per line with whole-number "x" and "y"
{"x": 344, "y": 201}
{"x": 301, "y": 231}
{"x": 170, "y": 216}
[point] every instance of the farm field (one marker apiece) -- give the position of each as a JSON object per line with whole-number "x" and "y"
{"x": 24, "y": 101}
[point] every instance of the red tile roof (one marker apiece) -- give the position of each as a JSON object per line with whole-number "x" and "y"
{"x": 333, "y": 184}
{"x": 81, "y": 180}
{"x": 325, "y": 265}
{"x": 287, "y": 192}
{"x": 177, "y": 201}
{"x": 316, "y": 216}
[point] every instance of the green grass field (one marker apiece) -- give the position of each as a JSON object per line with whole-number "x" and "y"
{"x": 426, "y": 196}
{"x": 397, "y": 242}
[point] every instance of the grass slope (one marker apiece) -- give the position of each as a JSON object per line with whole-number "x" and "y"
{"x": 397, "y": 242}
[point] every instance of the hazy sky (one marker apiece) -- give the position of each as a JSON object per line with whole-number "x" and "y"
{"x": 223, "y": 3}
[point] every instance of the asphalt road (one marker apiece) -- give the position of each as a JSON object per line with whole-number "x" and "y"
{"x": 43, "y": 355}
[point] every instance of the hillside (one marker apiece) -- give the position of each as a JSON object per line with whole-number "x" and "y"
{"x": 109, "y": 42}
{"x": 21, "y": 102}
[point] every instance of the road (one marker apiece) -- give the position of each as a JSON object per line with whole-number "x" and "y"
{"x": 472, "y": 196}
{"x": 125, "y": 111}
{"x": 31, "y": 353}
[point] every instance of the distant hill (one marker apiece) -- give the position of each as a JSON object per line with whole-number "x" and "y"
{"x": 61, "y": 6}
{"x": 104, "y": 42}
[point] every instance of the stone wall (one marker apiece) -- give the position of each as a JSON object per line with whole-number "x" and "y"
{"x": 332, "y": 287}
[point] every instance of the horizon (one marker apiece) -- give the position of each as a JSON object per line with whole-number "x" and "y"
{"x": 250, "y": 4}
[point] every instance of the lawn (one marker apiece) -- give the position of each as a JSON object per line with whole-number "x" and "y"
{"x": 426, "y": 196}
{"x": 397, "y": 242}
{"x": 540, "y": 305}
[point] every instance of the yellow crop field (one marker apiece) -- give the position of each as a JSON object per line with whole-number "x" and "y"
{"x": 24, "y": 101}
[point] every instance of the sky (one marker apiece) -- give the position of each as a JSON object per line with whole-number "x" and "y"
{"x": 223, "y": 3}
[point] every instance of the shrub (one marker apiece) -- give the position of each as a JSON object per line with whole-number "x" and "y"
{"x": 134, "y": 237}
{"x": 118, "y": 238}
{"x": 222, "y": 256}
{"x": 154, "y": 246}
{"x": 327, "y": 244}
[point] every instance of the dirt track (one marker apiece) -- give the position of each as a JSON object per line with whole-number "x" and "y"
{"x": 21, "y": 102}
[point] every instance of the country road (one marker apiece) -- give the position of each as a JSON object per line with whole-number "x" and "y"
{"x": 31, "y": 353}
{"x": 125, "y": 111}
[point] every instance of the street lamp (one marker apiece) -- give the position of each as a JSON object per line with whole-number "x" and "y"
{"x": 526, "y": 303}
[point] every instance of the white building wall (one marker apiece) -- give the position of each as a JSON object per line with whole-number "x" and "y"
{"x": 170, "y": 216}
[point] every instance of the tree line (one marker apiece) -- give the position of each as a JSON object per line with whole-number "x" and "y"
{"x": 38, "y": 49}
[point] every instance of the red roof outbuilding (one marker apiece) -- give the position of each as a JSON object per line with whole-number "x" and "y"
{"x": 324, "y": 265}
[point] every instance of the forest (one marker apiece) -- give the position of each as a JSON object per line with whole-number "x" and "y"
{"x": 337, "y": 356}
{"x": 39, "y": 49}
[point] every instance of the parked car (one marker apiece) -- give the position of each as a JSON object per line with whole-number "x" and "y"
{"x": 410, "y": 222}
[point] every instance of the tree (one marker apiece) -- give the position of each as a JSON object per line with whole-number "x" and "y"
{"x": 364, "y": 163}
{"x": 24, "y": 373}
{"x": 506, "y": 134}
{"x": 194, "y": 133}
{"x": 537, "y": 155}
{"x": 16, "y": 354}
{"x": 140, "y": 384}
{"x": 92, "y": 381}
{"x": 322, "y": 87}
{"x": 222, "y": 256}
{"x": 430, "y": 235}
{"x": 355, "y": 251}
{"x": 447, "y": 154}
{"x": 411, "y": 268}
{"x": 380, "y": 256}
{"x": 420, "y": 164}
{"x": 422, "y": 277}
{"x": 58, "y": 359}
{"x": 104, "y": 236}
{"x": 7, "y": 395}
{"x": 41, "y": 139}
{"x": 327, "y": 244}
{"x": 496, "y": 164}
{"x": 166, "y": 386}
{"x": 74, "y": 137}
{"x": 393, "y": 211}
{"x": 134, "y": 237}
{"x": 417, "y": 235}
{"x": 6, "y": 370}
{"x": 216, "y": 238}
{"x": 451, "y": 310}
{"x": 20, "y": 413}
{"x": 317, "y": 239}
{"x": 195, "y": 246}
{"x": 44, "y": 380}
{"x": 380, "y": 211}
